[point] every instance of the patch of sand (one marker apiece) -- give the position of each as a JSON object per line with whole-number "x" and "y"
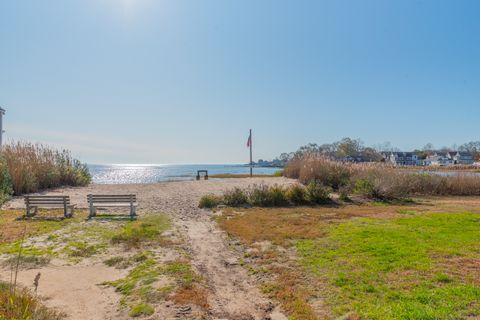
{"x": 75, "y": 290}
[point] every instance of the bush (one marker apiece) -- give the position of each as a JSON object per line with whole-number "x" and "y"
{"x": 274, "y": 196}
{"x": 209, "y": 201}
{"x": 297, "y": 195}
{"x": 235, "y": 198}
{"x": 317, "y": 193}
{"x": 6, "y": 189}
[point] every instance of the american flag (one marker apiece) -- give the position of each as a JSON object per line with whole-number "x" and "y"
{"x": 249, "y": 141}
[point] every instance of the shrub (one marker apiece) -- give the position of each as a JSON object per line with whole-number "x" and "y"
{"x": 297, "y": 195}
{"x": 6, "y": 189}
{"x": 258, "y": 195}
{"x": 364, "y": 187}
{"x": 265, "y": 196}
{"x": 276, "y": 197}
{"x": 317, "y": 193}
{"x": 235, "y": 198}
{"x": 209, "y": 201}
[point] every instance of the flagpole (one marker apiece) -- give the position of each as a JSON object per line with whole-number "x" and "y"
{"x": 251, "y": 158}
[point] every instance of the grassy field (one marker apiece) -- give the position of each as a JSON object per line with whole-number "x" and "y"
{"x": 374, "y": 261}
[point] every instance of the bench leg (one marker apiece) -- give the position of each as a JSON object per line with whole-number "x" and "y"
{"x": 69, "y": 212}
{"x": 93, "y": 212}
{"x": 133, "y": 212}
{"x": 31, "y": 211}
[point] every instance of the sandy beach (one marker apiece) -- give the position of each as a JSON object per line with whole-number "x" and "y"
{"x": 232, "y": 292}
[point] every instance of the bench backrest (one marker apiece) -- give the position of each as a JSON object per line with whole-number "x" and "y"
{"x": 47, "y": 200}
{"x": 111, "y": 198}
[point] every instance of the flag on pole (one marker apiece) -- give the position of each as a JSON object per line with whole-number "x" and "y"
{"x": 249, "y": 141}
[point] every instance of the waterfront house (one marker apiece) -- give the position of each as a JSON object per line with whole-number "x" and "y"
{"x": 458, "y": 157}
{"x": 402, "y": 158}
{"x": 439, "y": 159}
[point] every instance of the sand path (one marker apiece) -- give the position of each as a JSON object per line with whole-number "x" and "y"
{"x": 233, "y": 293}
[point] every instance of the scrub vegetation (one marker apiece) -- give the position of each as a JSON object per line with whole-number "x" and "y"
{"x": 269, "y": 196}
{"x": 376, "y": 181}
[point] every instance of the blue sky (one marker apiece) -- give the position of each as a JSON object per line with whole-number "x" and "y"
{"x": 152, "y": 81}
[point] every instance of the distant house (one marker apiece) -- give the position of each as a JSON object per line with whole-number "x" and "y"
{"x": 439, "y": 159}
{"x": 461, "y": 157}
{"x": 402, "y": 158}
{"x": 449, "y": 158}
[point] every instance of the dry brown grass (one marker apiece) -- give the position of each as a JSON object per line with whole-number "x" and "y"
{"x": 279, "y": 226}
{"x": 191, "y": 295}
{"x": 288, "y": 288}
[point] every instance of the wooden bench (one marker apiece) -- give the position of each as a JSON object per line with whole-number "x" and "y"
{"x": 119, "y": 200}
{"x": 33, "y": 203}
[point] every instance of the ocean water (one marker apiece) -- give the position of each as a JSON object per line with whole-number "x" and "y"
{"x": 146, "y": 173}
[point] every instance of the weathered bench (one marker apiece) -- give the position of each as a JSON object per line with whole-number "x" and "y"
{"x": 120, "y": 200}
{"x": 33, "y": 203}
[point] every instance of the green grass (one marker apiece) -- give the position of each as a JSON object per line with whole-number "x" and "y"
{"x": 398, "y": 268}
{"x": 147, "y": 229}
{"x": 140, "y": 286}
{"x": 141, "y": 310}
{"x": 82, "y": 249}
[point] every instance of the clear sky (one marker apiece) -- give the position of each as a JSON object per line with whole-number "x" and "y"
{"x": 152, "y": 81}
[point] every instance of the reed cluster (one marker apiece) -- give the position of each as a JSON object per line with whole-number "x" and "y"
{"x": 26, "y": 167}
{"x": 378, "y": 181}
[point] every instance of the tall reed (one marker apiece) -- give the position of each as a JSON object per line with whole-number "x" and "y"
{"x": 379, "y": 181}
{"x": 34, "y": 167}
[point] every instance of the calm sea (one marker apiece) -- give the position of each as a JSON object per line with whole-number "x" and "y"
{"x": 146, "y": 173}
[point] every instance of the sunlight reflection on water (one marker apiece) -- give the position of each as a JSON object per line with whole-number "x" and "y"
{"x": 139, "y": 173}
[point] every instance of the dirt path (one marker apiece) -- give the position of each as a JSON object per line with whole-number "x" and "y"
{"x": 232, "y": 291}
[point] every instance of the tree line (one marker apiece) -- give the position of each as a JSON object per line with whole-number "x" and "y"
{"x": 349, "y": 148}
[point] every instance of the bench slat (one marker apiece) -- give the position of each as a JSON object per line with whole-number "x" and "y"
{"x": 112, "y": 195}
{"x": 46, "y": 197}
{"x": 114, "y": 205}
{"x": 112, "y": 200}
{"x": 57, "y": 200}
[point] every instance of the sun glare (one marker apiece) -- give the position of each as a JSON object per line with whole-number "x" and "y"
{"x": 129, "y": 9}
